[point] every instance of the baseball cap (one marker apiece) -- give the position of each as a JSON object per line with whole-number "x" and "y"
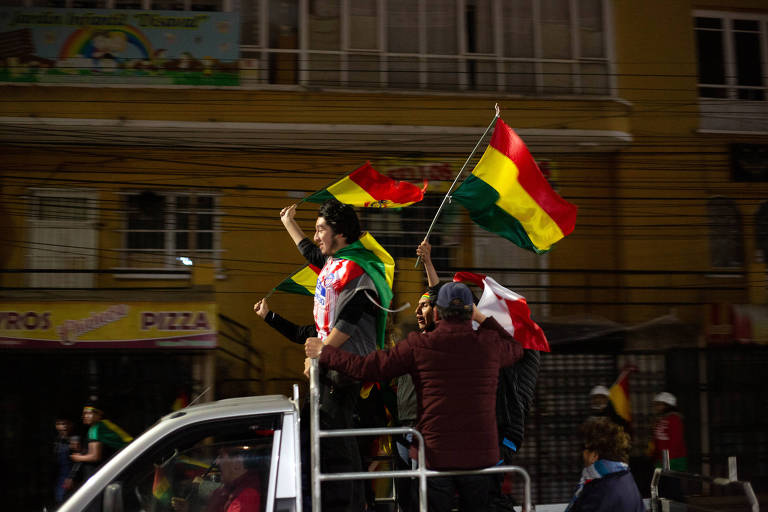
{"x": 666, "y": 398}
{"x": 455, "y": 295}
{"x": 599, "y": 390}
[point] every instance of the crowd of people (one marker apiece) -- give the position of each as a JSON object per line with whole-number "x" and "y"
{"x": 78, "y": 457}
{"x": 467, "y": 389}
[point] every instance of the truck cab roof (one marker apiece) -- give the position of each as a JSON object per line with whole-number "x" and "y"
{"x": 230, "y": 407}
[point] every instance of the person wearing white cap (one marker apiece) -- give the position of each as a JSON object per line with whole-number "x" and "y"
{"x": 599, "y": 398}
{"x": 600, "y": 403}
{"x": 668, "y": 432}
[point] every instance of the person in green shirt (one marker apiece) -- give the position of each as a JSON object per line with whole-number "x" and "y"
{"x": 104, "y": 440}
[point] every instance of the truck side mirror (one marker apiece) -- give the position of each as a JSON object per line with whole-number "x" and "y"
{"x": 113, "y": 498}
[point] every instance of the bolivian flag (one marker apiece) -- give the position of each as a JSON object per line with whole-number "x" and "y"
{"x": 367, "y": 188}
{"x": 303, "y": 281}
{"x": 161, "y": 486}
{"x": 618, "y": 394}
{"x": 508, "y": 195}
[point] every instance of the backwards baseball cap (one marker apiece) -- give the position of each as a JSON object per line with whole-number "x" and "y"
{"x": 456, "y": 296}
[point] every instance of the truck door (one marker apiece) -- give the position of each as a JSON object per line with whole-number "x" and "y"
{"x": 214, "y": 466}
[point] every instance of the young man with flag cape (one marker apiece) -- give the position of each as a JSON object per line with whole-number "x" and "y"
{"x": 352, "y": 291}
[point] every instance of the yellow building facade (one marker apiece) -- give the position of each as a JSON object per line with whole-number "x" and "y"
{"x": 642, "y": 160}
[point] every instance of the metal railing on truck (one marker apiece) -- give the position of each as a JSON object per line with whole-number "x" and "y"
{"x": 745, "y": 501}
{"x": 421, "y": 472}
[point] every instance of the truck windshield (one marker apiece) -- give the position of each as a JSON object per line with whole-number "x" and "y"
{"x": 212, "y": 467}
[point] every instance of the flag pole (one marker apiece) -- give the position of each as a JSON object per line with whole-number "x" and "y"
{"x": 450, "y": 189}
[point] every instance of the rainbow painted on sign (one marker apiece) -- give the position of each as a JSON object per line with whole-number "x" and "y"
{"x": 91, "y": 42}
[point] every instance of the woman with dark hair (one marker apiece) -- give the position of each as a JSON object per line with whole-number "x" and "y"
{"x": 606, "y": 484}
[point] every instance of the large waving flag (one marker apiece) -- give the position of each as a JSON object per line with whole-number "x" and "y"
{"x": 509, "y": 309}
{"x": 618, "y": 394}
{"x": 366, "y": 187}
{"x": 508, "y": 195}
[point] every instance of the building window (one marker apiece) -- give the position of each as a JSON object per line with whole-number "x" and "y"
{"x": 749, "y": 162}
{"x": 170, "y": 230}
{"x": 400, "y": 231}
{"x": 63, "y": 235}
{"x": 516, "y": 46}
{"x": 731, "y": 56}
{"x": 725, "y": 233}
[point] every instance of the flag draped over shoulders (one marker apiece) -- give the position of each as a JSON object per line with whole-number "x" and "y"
{"x": 380, "y": 267}
{"x": 367, "y": 187}
{"x": 509, "y": 309}
{"x": 508, "y": 195}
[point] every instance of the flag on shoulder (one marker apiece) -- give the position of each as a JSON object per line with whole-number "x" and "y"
{"x": 509, "y": 309}
{"x": 365, "y": 187}
{"x": 380, "y": 266}
{"x": 508, "y": 195}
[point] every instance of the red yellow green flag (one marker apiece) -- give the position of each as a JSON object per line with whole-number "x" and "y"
{"x": 508, "y": 195}
{"x": 366, "y": 187}
{"x": 618, "y": 394}
{"x": 303, "y": 281}
{"x": 161, "y": 487}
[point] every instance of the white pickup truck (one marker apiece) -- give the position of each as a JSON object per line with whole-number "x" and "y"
{"x": 177, "y": 465}
{"x": 174, "y": 459}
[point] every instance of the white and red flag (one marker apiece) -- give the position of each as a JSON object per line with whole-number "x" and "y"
{"x": 509, "y": 309}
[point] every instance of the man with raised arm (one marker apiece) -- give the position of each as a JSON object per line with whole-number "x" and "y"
{"x": 346, "y": 311}
{"x": 346, "y": 296}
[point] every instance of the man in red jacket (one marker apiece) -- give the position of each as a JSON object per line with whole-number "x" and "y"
{"x": 455, "y": 371}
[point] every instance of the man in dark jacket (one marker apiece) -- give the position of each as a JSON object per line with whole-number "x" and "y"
{"x": 455, "y": 371}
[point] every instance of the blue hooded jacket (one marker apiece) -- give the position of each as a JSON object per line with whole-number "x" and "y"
{"x": 616, "y": 492}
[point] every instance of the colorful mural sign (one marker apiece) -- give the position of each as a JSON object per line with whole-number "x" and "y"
{"x": 61, "y": 325}
{"x": 119, "y": 46}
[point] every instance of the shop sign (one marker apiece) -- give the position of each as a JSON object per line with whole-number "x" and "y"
{"x": 119, "y": 46}
{"x": 186, "y": 325}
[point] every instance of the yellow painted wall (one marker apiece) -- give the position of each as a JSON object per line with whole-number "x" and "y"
{"x": 640, "y": 208}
